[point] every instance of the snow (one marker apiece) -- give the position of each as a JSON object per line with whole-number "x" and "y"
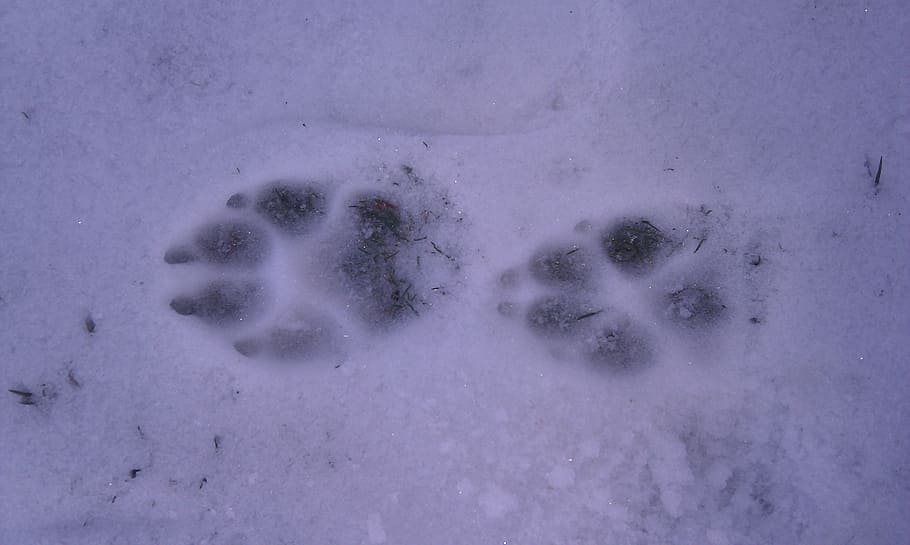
{"x": 750, "y": 134}
{"x": 374, "y": 528}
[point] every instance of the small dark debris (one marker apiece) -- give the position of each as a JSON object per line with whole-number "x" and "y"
{"x": 426, "y": 145}
{"x": 755, "y": 320}
{"x": 700, "y": 242}
{"x": 113, "y": 499}
{"x": 26, "y": 116}
{"x": 71, "y": 379}
{"x": 202, "y": 482}
{"x": 438, "y": 250}
{"x": 588, "y": 315}
{"x": 134, "y": 473}
{"x": 217, "y": 441}
{"x": 141, "y": 433}
{"x": 878, "y": 173}
{"x": 669, "y": 169}
{"x": 755, "y": 261}
{"x": 89, "y": 324}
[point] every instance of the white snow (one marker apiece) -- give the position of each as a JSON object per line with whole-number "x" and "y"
{"x": 374, "y": 529}
{"x": 125, "y": 127}
{"x": 497, "y": 502}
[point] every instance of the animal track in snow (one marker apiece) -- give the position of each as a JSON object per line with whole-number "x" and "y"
{"x": 282, "y": 268}
{"x": 620, "y": 295}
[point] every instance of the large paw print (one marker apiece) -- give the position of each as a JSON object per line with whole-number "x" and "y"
{"x": 279, "y": 269}
{"x": 621, "y": 295}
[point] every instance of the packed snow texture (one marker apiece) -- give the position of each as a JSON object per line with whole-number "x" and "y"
{"x": 447, "y": 273}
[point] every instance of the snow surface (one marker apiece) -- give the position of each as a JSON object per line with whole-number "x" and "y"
{"x": 126, "y": 126}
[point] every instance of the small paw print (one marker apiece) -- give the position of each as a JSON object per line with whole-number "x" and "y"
{"x": 622, "y": 296}
{"x": 290, "y": 269}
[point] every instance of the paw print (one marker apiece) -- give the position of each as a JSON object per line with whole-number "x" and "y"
{"x": 622, "y": 295}
{"x": 290, "y": 269}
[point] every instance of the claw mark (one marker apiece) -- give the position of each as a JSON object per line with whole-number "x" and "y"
{"x": 588, "y": 315}
{"x": 25, "y": 397}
